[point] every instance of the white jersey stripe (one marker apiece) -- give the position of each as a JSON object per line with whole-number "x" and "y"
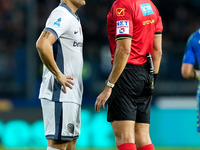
{"x": 65, "y": 6}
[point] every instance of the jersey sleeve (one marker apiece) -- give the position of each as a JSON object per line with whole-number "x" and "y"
{"x": 123, "y": 19}
{"x": 189, "y": 56}
{"x": 57, "y": 23}
{"x": 159, "y": 26}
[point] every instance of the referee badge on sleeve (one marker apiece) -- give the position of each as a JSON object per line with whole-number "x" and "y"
{"x": 122, "y": 27}
{"x": 120, "y": 11}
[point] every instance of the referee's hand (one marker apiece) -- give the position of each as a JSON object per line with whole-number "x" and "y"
{"x": 102, "y": 98}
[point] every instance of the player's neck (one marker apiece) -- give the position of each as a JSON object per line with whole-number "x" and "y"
{"x": 73, "y": 7}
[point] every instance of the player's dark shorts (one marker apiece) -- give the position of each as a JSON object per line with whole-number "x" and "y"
{"x": 131, "y": 97}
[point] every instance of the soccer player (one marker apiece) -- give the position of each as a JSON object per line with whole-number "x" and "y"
{"x": 191, "y": 57}
{"x": 134, "y": 30}
{"x": 60, "y": 49}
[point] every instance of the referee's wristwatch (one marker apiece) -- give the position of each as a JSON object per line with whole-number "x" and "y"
{"x": 109, "y": 84}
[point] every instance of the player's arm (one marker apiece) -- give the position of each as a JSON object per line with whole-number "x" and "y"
{"x": 157, "y": 52}
{"x": 44, "y": 47}
{"x": 188, "y": 71}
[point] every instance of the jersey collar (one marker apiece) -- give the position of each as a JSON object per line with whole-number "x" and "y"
{"x": 65, "y": 6}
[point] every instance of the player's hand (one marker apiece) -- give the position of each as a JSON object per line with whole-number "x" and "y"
{"x": 65, "y": 81}
{"x": 102, "y": 98}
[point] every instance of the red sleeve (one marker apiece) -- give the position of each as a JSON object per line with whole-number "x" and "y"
{"x": 159, "y": 26}
{"x": 122, "y": 16}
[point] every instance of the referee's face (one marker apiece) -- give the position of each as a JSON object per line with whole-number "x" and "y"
{"x": 78, "y": 3}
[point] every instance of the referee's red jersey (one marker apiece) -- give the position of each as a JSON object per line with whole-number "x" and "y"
{"x": 135, "y": 19}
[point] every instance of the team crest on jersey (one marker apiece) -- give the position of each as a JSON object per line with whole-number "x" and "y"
{"x": 122, "y": 27}
{"x": 70, "y": 128}
{"x": 146, "y": 9}
{"x": 120, "y": 11}
{"x": 58, "y": 21}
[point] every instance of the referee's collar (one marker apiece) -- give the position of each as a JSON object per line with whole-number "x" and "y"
{"x": 65, "y": 6}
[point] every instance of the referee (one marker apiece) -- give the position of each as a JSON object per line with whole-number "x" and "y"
{"x": 134, "y": 30}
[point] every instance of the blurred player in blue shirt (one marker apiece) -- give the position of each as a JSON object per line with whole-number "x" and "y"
{"x": 191, "y": 57}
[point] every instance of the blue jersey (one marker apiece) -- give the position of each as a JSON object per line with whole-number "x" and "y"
{"x": 192, "y": 52}
{"x": 192, "y": 56}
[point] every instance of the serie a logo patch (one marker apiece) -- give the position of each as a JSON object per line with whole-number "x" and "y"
{"x": 58, "y": 21}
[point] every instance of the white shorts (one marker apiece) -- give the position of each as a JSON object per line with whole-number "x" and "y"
{"x": 61, "y": 120}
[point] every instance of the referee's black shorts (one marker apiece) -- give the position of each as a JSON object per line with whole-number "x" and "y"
{"x": 131, "y": 96}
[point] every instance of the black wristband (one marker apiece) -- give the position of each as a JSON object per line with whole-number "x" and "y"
{"x": 155, "y": 76}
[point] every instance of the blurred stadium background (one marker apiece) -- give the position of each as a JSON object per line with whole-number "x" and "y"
{"x": 173, "y": 117}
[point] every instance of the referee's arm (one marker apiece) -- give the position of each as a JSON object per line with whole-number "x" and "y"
{"x": 157, "y": 51}
{"x": 122, "y": 53}
{"x": 121, "y": 56}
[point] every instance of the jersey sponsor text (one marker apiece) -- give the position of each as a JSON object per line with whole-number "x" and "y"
{"x": 122, "y": 27}
{"x": 146, "y": 9}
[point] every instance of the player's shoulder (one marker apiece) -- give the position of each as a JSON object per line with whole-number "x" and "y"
{"x": 194, "y": 38}
{"x": 61, "y": 10}
{"x": 196, "y": 34}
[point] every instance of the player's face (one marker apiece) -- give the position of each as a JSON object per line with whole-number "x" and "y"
{"x": 78, "y": 3}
